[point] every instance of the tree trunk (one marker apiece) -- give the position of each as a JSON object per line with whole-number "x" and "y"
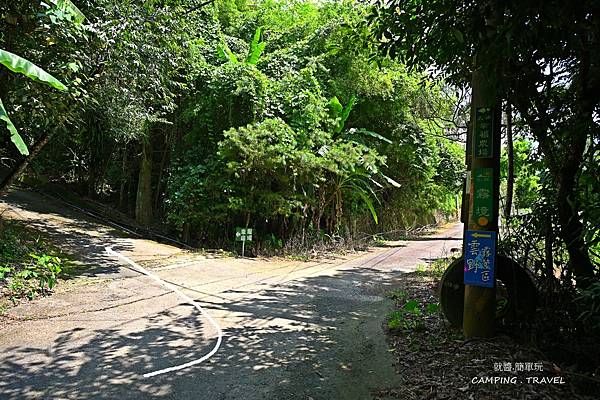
{"x": 510, "y": 178}
{"x": 185, "y": 235}
{"x": 163, "y": 163}
{"x": 548, "y": 250}
{"x": 572, "y": 227}
{"x": 124, "y": 178}
{"x": 143, "y": 204}
{"x": 480, "y": 302}
{"x": 564, "y": 171}
{"x": 571, "y": 231}
{"x": 20, "y": 168}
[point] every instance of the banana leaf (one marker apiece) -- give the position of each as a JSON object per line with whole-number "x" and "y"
{"x": 68, "y": 7}
{"x": 225, "y": 53}
{"x": 22, "y": 66}
{"x": 14, "y": 135}
{"x": 256, "y": 48}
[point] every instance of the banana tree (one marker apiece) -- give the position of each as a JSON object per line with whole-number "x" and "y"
{"x": 20, "y": 65}
{"x": 340, "y": 113}
{"x": 256, "y": 49}
{"x": 361, "y": 182}
{"x": 68, "y": 9}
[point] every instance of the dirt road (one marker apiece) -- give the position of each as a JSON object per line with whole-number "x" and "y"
{"x": 291, "y": 329}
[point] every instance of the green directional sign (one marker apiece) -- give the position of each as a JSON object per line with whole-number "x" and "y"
{"x": 484, "y": 125}
{"x": 483, "y": 195}
{"x": 243, "y": 234}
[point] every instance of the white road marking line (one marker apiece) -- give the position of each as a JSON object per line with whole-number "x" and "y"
{"x": 174, "y": 266}
{"x": 188, "y": 299}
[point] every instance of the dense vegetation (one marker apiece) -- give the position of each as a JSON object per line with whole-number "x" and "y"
{"x": 311, "y": 121}
{"x": 544, "y": 57}
{"x": 307, "y": 120}
{"x": 203, "y": 117}
{"x": 552, "y": 85}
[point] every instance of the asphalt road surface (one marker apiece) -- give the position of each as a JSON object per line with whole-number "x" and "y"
{"x": 291, "y": 329}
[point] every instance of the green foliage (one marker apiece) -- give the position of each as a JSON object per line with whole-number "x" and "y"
{"x": 226, "y": 53}
{"x": 4, "y": 271}
{"x": 47, "y": 269}
{"x": 263, "y": 163}
{"x": 398, "y": 295}
{"x": 43, "y": 32}
{"x": 547, "y": 82}
{"x": 14, "y": 134}
{"x": 290, "y": 126}
{"x": 432, "y": 308}
{"x": 298, "y": 140}
{"x": 434, "y": 269}
{"x": 26, "y": 269}
{"x": 273, "y": 173}
{"x": 527, "y": 172}
{"x": 256, "y": 48}
{"x": 13, "y": 245}
{"x": 68, "y": 10}
{"x": 340, "y": 113}
{"x": 589, "y": 306}
{"x": 22, "y": 66}
{"x": 409, "y": 316}
{"x": 65, "y": 10}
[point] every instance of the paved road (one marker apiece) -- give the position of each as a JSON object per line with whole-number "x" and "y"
{"x": 292, "y": 330}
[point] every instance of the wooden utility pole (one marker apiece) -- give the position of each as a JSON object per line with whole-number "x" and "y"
{"x": 483, "y": 193}
{"x": 510, "y": 156}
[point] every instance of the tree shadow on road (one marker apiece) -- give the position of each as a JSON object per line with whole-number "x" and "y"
{"x": 82, "y": 238}
{"x": 318, "y": 337}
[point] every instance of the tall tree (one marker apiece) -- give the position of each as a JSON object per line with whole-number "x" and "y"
{"x": 554, "y": 83}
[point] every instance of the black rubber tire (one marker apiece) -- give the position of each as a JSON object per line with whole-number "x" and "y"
{"x": 520, "y": 289}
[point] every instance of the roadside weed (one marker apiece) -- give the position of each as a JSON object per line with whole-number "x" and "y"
{"x": 410, "y": 315}
{"x": 27, "y": 270}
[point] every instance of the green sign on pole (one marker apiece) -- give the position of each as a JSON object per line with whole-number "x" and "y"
{"x": 483, "y": 195}
{"x": 243, "y": 235}
{"x": 484, "y": 146}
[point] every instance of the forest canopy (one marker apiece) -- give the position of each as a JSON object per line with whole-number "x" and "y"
{"x": 280, "y": 116}
{"x": 544, "y": 58}
{"x": 308, "y": 128}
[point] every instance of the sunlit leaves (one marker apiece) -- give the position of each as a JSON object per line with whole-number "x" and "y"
{"x": 256, "y": 47}
{"x": 226, "y": 54}
{"x": 65, "y": 9}
{"x": 340, "y": 113}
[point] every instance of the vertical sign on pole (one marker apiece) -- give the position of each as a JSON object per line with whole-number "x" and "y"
{"x": 484, "y": 131}
{"x": 483, "y": 193}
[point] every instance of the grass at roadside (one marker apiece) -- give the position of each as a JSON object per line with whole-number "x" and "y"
{"x": 434, "y": 362}
{"x": 434, "y": 269}
{"x": 30, "y": 266}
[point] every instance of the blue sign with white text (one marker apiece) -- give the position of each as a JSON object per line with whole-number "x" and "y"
{"x": 480, "y": 258}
